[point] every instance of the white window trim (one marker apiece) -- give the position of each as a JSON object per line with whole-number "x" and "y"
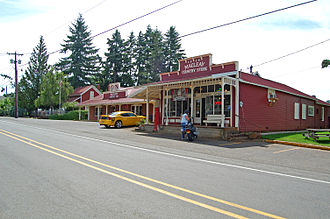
{"x": 296, "y": 111}
{"x": 312, "y": 111}
{"x": 303, "y": 111}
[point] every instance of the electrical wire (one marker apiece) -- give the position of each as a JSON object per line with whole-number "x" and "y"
{"x": 137, "y": 18}
{"x": 248, "y": 18}
{"x": 292, "y": 53}
{"x": 130, "y": 21}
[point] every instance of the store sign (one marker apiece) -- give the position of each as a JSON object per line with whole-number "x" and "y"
{"x": 196, "y": 64}
{"x": 113, "y": 96}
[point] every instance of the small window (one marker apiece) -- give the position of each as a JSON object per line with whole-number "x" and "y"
{"x": 210, "y": 88}
{"x": 296, "y": 110}
{"x": 91, "y": 95}
{"x": 322, "y": 114}
{"x": 303, "y": 111}
{"x": 271, "y": 94}
{"x": 310, "y": 110}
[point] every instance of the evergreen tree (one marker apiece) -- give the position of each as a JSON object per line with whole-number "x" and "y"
{"x": 157, "y": 58}
{"x": 173, "y": 51}
{"x": 151, "y": 56}
{"x": 29, "y": 85}
{"x": 115, "y": 58}
{"x": 83, "y": 63}
{"x": 129, "y": 77}
{"x": 325, "y": 63}
{"x": 51, "y": 84}
{"x": 140, "y": 60}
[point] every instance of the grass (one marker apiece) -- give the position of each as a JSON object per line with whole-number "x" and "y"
{"x": 299, "y": 138}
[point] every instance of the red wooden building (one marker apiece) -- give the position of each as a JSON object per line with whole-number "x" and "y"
{"x": 116, "y": 99}
{"x": 82, "y": 94}
{"x": 221, "y": 95}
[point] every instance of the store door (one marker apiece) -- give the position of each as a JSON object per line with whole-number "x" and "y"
{"x": 199, "y": 110}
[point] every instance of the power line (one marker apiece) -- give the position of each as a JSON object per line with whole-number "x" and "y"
{"x": 130, "y": 21}
{"x": 137, "y": 18}
{"x": 292, "y": 53}
{"x": 248, "y": 18}
{"x": 86, "y": 11}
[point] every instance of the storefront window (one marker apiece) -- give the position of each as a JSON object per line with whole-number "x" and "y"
{"x": 227, "y": 87}
{"x": 218, "y": 88}
{"x": 210, "y": 88}
{"x": 172, "y": 108}
{"x": 227, "y": 106}
{"x": 217, "y": 105}
{"x": 209, "y": 105}
{"x": 204, "y": 89}
{"x": 198, "y": 108}
{"x": 196, "y": 90}
{"x": 178, "y": 108}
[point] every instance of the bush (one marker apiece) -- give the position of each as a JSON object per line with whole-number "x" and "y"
{"x": 72, "y": 115}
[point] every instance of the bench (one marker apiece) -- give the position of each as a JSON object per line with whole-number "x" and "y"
{"x": 216, "y": 119}
{"x": 315, "y": 133}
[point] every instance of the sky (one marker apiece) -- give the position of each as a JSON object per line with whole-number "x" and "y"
{"x": 251, "y": 42}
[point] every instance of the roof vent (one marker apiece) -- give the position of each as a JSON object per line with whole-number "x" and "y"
{"x": 256, "y": 74}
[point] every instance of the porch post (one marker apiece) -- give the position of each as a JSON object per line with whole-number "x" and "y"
{"x": 147, "y": 95}
{"x": 88, "y": 111}
{"x": 153, "y": 111}
{"x": 167, "y": 108}
{"x": 237, "y": 103}
{"x": 106, "y": 109}
{"x": 98, "y": 112}
{"x": 79, "y": 112}
{"x": 223, "y": 102}
{"x": 192, "y": 101}
{"x": 163, "y": 106}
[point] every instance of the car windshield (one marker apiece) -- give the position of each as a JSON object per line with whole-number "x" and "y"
{"x": 114, "y": 113}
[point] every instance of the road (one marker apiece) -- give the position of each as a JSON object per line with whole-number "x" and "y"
{"x": 66, "y": 169}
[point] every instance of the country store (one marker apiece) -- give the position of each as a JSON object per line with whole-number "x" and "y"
{"x": 217, "y": 96}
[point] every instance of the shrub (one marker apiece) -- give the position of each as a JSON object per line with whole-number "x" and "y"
{"x": 72, "y": 115}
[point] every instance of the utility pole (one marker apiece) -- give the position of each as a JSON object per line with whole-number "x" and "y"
{"x": 16, "y": 80}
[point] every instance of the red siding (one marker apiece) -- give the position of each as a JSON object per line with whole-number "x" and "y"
{"x": 92, "y": 113}
{"x": 86, "y": 96}
{"x": 257, "y": 115}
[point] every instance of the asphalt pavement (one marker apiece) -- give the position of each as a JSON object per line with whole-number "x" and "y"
{"x": 67, "y": 169}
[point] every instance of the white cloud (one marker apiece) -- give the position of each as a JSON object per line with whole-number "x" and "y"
{"x": 248, "y": 42}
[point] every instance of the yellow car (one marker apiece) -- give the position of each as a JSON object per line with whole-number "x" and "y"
{"x": 120, "y": 119}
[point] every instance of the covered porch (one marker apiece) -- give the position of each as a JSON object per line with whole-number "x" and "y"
{"x": 212, "y": 101}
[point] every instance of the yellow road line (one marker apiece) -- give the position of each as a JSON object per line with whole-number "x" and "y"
{"x": 134, "y": 181}
{"x": 154, "y": 180}
{"x": 291, "y": 149}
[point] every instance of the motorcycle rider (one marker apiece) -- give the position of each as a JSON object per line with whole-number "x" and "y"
{"x": 184, "y": 121}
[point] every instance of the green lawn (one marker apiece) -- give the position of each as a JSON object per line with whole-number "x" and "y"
{"x": 297, "y": 137}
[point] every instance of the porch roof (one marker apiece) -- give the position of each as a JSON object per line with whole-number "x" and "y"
{"x": 154, "y": 88}
{"x": 100, "y": 101}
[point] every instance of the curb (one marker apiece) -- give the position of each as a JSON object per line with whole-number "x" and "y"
{"x": 299, "y": 144}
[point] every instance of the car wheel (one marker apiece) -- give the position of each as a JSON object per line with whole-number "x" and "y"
{"x": 118, "y": 124}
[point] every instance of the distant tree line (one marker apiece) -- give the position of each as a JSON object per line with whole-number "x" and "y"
{"x": 136, "y": 60}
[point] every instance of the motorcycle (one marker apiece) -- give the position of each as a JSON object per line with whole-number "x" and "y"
{"x": 191, "y": 131}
